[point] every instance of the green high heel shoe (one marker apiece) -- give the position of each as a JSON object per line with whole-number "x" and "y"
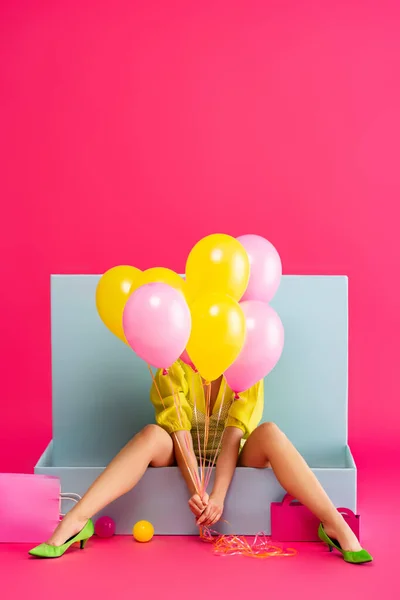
{"x": 356, "y": 558}
{"x": 46, "y": 551}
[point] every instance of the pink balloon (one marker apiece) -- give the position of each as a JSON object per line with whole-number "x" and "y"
{"x": 265, "y": 268}
{"x": 157, "y": 324}
{"x": 262, "y": 348}
{"x": 105, "y": 527}
{"x": 187, "y": 360}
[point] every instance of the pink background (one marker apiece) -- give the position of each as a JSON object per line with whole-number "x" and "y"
{"x": 131, "y": 129}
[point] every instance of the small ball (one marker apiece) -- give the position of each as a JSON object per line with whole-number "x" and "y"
{"x": 105, "y": 527}
{"x": 143, "y": 531}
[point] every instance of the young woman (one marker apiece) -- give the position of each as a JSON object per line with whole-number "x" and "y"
{"x": 233, "y": 429}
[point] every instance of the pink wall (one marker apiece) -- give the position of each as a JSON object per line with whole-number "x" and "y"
{"x": 130, "y": 129}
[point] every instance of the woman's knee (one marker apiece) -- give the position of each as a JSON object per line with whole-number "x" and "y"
{"x": 269, "y": 429}
{"x": 149, "y": 433}
{"x": 151, "y": 430}
{"x": 154, "y": 435}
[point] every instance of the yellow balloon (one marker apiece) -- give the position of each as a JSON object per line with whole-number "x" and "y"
{"x": 143, "y": 531}
{"x": 218, "y": 334}
{"x": 160, "y": 275}
{"x": 113, "y": 290}
{"x": 218, "y": 263}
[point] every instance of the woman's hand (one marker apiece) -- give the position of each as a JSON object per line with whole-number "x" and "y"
{"x": 197, "y": 504}
{"x": 213, "y": 511}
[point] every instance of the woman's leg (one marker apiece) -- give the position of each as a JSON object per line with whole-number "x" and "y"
{"x": 268, "y": 446}
{"x": 152, "y": 446}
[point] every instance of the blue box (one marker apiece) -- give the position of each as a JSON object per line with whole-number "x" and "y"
{"x": 100, "y": 400}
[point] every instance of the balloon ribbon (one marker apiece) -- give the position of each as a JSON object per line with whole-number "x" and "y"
{"x": 231, "y": 545}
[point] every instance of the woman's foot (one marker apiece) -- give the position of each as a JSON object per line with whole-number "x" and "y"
{"x": 53, "y": 551}
{"x": 68, "y": 527}
{"x": 344, "y": 535}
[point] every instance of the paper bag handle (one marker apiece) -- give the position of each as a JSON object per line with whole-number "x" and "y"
{"x": 288, "y": 500}
{"x": 347, "y": 512}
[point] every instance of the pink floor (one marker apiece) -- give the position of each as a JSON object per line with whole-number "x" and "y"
{"x": 186, "y": 568}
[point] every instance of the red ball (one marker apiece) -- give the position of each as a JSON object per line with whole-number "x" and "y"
{"x": 105, "y": 527}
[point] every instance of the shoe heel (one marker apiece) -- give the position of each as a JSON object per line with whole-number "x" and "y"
{"x": 83, "y": 543}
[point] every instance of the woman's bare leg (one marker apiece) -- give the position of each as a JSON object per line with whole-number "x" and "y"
{"x": 269, "y": 446}
{"x": 152, "y": 446}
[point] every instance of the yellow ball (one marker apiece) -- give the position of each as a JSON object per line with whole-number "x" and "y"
{"x": 143, "y": 531}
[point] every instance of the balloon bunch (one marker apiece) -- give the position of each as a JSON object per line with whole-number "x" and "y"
{"x": 217, "y": 319}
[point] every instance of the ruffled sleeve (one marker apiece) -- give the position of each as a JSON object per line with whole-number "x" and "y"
{"x": 171, "y": 414}
{"x": 246, "y": 413}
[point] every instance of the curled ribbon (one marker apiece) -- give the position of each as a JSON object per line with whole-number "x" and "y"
{"x": 231, "y": 545}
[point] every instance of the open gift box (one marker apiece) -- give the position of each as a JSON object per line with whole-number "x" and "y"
{"x": 100, "y": 396}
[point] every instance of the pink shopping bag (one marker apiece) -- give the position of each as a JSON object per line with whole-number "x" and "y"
{"x": 293, "y": 522}
{"x": 29, "y": 507}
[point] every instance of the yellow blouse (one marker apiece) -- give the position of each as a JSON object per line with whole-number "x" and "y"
{"x": 187, "y": 411}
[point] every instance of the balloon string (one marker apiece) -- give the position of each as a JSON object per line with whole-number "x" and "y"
{"x": 231, "y": 545}
{"x": 214, "y": 460}
{"x": 195, "y": 484}
{"x": 196, "y": 417}
{"x": 214, "y": 454}
{"x": 156, "y": 386}
{"x": 178, "y": 407}
{"x": 207, "y": 419}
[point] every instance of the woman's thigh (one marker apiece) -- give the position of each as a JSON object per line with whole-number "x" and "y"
{"x": 163, "y": 454}
{"x": 253, "y": 452}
